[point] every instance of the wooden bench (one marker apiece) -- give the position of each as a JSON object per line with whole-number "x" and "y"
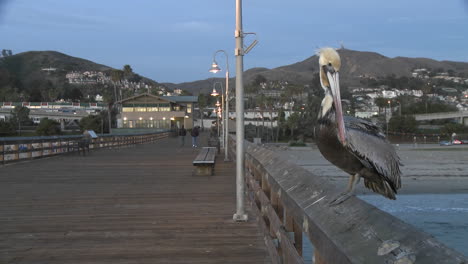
{"x": 205, "y": 161}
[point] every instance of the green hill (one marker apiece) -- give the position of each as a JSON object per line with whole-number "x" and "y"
{"x": 24, "y": 77}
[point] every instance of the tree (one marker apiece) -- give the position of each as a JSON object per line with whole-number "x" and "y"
{"x": 381, "y": 103}
{"x": 21, "y": 114}
{"x": 450, "y": 128}
{"x": 19, "y": 117}
{"x": 6, "y": 128}
{"x": 48, "y": 127}
{"x": 75, "y": 94}
{"x": 91, "y": 123}
{"x": 403, "y": 124}
{"x": 293, "y": 122}
{"x": 127, "y": 71}
{"x": 259, "y": 79}
{"x": 35, "y": 95}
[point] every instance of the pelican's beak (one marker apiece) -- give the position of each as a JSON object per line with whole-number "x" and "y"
{"x": 334, "y": 80}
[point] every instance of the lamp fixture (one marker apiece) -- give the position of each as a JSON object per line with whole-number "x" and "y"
{"x": 214, "y": 67}
{"x": 214, "y": 93}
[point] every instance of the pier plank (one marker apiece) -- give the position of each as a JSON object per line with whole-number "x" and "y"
{"x": 138, "y": 204}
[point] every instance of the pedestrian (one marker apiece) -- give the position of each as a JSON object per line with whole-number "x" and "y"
{"x": 195, "y": 133}
{"x": 182, "y": 134}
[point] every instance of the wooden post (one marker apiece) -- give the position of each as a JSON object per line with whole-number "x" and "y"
{"x": 2, "y": 152}
{"x": 15, "y": 148}
{"x": 29, "y": 155}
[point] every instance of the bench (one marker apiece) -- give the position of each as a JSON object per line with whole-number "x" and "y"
{"x": 205, "y": 161}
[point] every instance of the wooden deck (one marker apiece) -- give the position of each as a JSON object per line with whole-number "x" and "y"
{"x": 139, "y": 204}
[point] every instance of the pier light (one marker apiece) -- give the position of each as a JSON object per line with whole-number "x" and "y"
{"x": 164, "y": 118}
{"x": 186, "y": 116}
{"x": 151, "y": 118}
{"x": 214, "y": 67}
{"x": 214, "y": 93}
{"x": 125, "y": 118}
{"x": 172, "y": 118}
{"x": 217, "y": 103}
{"x": 141, "y": 118}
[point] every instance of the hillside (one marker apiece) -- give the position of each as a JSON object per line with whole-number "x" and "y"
{"x": 22, "y": 77}
{"x": 354, "y": 65}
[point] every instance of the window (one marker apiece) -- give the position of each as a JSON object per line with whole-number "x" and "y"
{"x": 189, "y": 108}
{"x": 127, "y": 109}
{"x": 164, "y": 107}
{"x": 140, "y": 109}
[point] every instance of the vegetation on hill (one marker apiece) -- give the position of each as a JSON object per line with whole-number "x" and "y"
{"x": 41, "y": 76}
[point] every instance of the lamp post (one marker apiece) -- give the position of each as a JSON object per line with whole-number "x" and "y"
{"x": 388, "y": 114}
{"x": 214, "y": 69}
{"x": 215, "y": 93}
{"x": 239, "y": 51}
{"x": 399, "y": 108}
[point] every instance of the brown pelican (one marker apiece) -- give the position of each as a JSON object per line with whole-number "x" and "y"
{"x": 356, "y": 146}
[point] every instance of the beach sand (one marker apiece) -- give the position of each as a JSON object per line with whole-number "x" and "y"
{"x": 427, "y": 168}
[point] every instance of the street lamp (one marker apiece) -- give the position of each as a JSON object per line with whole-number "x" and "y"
{"x": 240, "y": 214}
{"x": 389, "y": 113}
{"x": 214, "y": 69}
{"x": 215, "y": 93}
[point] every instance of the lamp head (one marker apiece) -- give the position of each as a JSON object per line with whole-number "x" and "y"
{"x": 214, "y": 93}
{"x": 214, "y": 67}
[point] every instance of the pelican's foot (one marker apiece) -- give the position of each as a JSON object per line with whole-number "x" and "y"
{"x": 341, "y": 198}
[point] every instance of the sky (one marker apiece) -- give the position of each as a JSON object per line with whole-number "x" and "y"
{"x": 174, "y": 41}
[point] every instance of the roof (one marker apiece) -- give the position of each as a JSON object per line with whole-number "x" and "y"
{"x": 164, "y": 98}
{"x": 172, "y": 99}
{"x": 182, "y": 99}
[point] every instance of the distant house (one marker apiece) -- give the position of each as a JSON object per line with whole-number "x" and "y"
{"x": 151, "y": 112}
{"x": 389, "y": 94}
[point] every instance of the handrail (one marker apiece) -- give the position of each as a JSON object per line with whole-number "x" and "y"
{"x": 290, "y": 201}
{"x": 24, "y": 148}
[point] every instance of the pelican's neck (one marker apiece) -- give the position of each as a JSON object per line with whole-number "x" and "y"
{"x": 327, "y": 105}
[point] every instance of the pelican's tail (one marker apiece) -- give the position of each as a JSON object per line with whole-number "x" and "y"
{"x": 381, "y": 187}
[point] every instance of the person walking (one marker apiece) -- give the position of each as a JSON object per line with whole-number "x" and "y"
{"x": 194, "y": 134}
{"x": 182, "y": 134}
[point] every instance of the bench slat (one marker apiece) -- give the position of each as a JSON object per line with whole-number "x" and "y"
{"x": 207, "y": 155}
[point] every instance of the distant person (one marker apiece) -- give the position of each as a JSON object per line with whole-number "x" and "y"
{"x": 182, "y": 134}
{"x": 83, "y": 144}
{"x": 195, "y": 133}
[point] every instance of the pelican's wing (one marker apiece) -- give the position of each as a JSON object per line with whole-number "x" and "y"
{"x": 367, "y": 142}
{"x": 364, "y": 125}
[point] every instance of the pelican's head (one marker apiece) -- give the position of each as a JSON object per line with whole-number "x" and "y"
{"x": 330, "y": 63}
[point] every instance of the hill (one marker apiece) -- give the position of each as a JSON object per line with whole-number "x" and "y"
{"x": 355, "y": 65}
{"x": 41, "y": 75}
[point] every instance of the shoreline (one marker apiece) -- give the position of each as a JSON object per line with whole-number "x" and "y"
{"x": 427, "y": 169}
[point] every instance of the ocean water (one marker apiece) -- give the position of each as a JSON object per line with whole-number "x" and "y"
{"x": 445, "y": 216}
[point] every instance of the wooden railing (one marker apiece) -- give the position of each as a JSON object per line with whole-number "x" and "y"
{"x": 290, "y": 201}
{"x": 25, "y": 148}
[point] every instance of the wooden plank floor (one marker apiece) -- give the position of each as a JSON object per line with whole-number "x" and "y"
{"x": 139, "y": 204}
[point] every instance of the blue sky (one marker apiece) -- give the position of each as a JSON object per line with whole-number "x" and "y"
{"x": 174, "y": 41}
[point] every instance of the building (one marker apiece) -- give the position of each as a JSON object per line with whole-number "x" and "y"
{"x": 150, "y": 112}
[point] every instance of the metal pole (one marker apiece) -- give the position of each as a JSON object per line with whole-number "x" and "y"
{"x": 226, "y": 115}
{"x": 226, "y": 108}
{"x": 240, "y": 214}
{"x": 222, "y": 117}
